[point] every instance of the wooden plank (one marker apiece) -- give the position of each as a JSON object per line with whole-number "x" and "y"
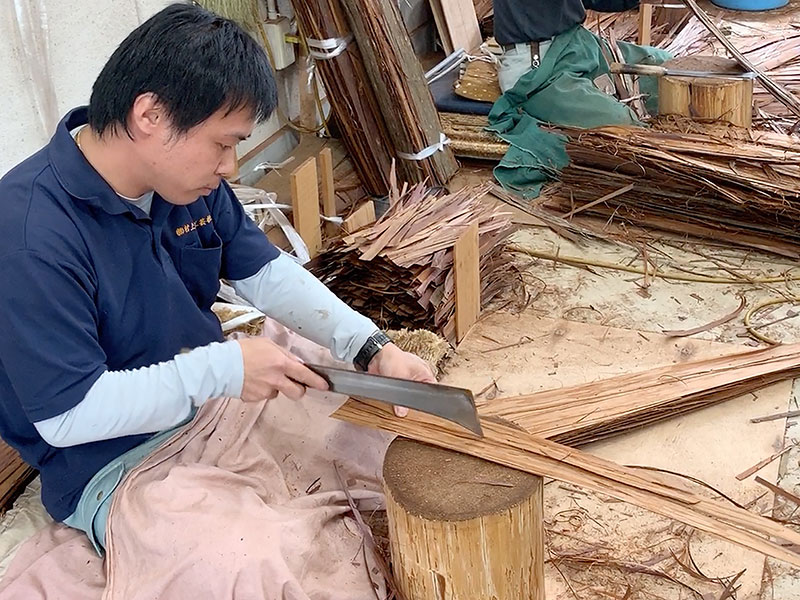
{"x": 327, "y": 188}
{"x": 441, "y": 26}
{"x": 305, "y": 205}
{"x": 644, "y": 35}
{"x": 461, "y": 22}
{"x": 363, "y": 216}
{"x": 467, "y": 276}
{"x": 505, "y": 444}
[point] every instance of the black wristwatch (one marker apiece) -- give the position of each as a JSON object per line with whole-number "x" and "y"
{"x": 370, "y": 348}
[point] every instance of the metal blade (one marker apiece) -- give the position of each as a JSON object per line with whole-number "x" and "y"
{"x": 661, "y": 71}
{"x": 451, "y": 403}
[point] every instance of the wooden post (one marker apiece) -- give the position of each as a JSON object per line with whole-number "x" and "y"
{"x": 462, "y": 528}
{"x": 644, "y": 36}
{"x": 361, "y": 217}
{"x": 702, "y": 98}
{"x": 305, "y": 205}
{"x": 327, "y": 188}
{"x": 466, "y": 272}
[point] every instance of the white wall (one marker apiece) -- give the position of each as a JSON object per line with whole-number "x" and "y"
{"x": 81, "y": 35}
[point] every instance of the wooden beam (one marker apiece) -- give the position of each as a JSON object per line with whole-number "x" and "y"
{"x": 327, "y": 188}
{"x": 361, "y": 217}
{"x": 467, "y": 276}
{"x": 305, "y": 205}
{"x": 644, "y": 36}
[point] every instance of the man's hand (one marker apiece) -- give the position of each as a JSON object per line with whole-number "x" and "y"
{"x": 269, "y": 369}
{"x": 393, "y": 362}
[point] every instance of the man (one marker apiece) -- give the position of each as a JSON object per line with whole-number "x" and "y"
{"x": 525, "y": 30}
{"x": 112, "y": 243}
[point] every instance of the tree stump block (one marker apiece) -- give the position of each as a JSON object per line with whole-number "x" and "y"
{"x": 461, "y": 528}
{"x": 705, "y": 98}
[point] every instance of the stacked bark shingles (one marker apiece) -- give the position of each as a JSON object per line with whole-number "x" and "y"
{"x": 399, "y": 270}
{"x": 14, "y": 476}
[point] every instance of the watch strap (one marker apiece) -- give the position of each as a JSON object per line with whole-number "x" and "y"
{"x": 371, "y": 347}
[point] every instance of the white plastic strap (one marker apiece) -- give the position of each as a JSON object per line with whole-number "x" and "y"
{"x": 429, "y": 151}
{"x": 334, "y": 220}
{"x": 329, "y": 48}
{"x": 274, "y": 212}
{"x": 267, "y": 165}
{"x": 450, "y": 63}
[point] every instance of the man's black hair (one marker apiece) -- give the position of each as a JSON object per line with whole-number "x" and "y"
{"x": 194, "y": 61}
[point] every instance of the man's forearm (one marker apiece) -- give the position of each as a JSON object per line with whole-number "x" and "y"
{"x": 149, "y": 399}
{"x": 288, "y": 293}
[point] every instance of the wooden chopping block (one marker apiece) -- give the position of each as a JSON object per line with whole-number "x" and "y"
{"x": 461, "y": 528}
{"x": 703, "y": 98}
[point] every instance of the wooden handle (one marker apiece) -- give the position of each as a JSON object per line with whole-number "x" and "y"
{"x": 626, "y": 69}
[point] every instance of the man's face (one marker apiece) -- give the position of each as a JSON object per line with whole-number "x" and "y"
{"x": 184, "y": 167}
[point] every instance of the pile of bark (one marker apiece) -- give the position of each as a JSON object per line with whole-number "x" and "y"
{"x": 399, "y": 270}
{"x": 710, "y": 180}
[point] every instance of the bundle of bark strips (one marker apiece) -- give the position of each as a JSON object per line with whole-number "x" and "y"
{"x": 353, "y": 101}
{"x": 469, "y": 138}
{"x": 710, "y": 180}
{"x": 399, "y": 270}
{"x": 508, "y": 445}
{"x": 527, "y": 437}
{"x": 404, "y": 99}
{"x": 594, "y": 411}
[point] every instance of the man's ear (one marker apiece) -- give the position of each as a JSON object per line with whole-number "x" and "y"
{"x": 147, "y": 116}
